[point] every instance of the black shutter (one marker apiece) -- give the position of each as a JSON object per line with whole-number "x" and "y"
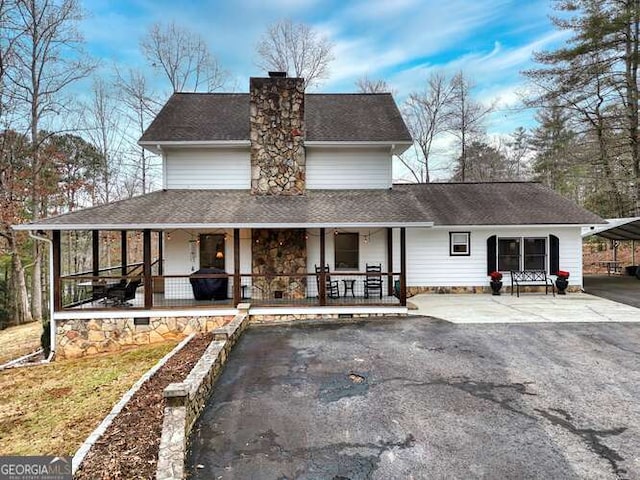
{"x": 554, "y": 254}
{"x": 492, "y": 263}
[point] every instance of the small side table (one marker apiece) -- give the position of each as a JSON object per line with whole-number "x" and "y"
{"x": 348, "y": 286}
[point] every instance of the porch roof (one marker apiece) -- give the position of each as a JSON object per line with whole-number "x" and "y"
{"x": 240, "y": 209}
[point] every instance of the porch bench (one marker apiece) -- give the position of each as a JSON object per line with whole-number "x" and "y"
{"x": 531, "y": 278}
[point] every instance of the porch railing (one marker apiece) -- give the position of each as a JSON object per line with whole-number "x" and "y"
{"x": 219, "y": 290}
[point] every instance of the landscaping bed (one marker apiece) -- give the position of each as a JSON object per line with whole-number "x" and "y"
{"x": 50, "y": 409}
{"x": 129, "y": 446}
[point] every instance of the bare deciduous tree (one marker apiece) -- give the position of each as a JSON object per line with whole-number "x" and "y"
{"x": 368, "y": 85}
{"x": 466, "y": 117}
{"x": 140, "y": 106}
{"x": 184, "y": 57}
{"x": 105, "y": 129}
{"x": 297, "y": 49}
{"x": 48, "y": 58}
{"x": 427, "y": 116}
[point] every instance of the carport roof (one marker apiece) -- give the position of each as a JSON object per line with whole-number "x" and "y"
{"x": 616, "y": 229}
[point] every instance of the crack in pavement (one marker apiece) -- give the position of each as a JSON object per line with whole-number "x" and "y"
{"x": 483, "y": 390}
{"x": 593, "y": 438}
{"x": 266, "y": 444}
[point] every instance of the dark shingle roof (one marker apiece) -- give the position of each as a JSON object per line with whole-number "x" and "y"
{"x": 497, "y": 203}
{"x": 328, "y": 117}
{"x": 502, "y": 203}
{"x": 239, "y": 207}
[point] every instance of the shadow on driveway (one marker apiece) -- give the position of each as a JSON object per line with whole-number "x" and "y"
{"x": 623, "y": 289}
{"x": 420, "y": 398}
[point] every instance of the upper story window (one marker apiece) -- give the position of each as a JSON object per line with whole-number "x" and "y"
{"x": 527, "y": 253}
{"x": 459, "y": 243}
{"x": 347, "y": 251}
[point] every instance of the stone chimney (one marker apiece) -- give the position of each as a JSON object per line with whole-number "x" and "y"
{"x": 277, "y": 135}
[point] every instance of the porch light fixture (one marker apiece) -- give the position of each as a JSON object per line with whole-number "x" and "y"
{"x": 219, "y": 255}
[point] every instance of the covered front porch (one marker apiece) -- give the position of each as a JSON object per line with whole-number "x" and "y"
{"x": 218, "y": 268}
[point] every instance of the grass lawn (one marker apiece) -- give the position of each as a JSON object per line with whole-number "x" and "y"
{"x": 51, "y": 409}
{"x": 20, "y": 340}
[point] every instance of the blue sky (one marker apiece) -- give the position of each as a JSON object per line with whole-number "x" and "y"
{"x": 400, "y": 41}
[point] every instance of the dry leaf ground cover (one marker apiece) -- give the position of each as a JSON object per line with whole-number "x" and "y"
{"x": 51, "y": 409}
{"x": 20, "y": 340}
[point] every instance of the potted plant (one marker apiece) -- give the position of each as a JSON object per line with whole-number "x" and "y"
{"x": 496, "y": 282}
{"x": 562, "y": 281}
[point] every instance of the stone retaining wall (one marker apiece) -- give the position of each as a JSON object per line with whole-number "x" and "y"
{"x": 81, "y": 337}
{"x": 186, "y": 400}
{"x": 275, "y": 318}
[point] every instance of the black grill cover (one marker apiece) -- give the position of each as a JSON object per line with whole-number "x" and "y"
{"x": 209, "y": 288}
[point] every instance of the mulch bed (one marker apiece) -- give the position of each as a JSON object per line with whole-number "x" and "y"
{"x": 129, "y": 447}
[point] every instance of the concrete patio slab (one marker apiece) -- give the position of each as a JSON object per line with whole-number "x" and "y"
{"x": 528, "y": 308}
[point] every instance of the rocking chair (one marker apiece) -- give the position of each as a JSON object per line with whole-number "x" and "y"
{"x": 373, "y": 280}
{"x": 331, "y": 286}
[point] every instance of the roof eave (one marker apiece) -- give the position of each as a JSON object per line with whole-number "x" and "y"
{"x": 193, "y": 226}
{"x": 158, "y": 145}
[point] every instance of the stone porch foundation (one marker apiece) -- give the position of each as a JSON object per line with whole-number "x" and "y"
{"x": 506, "y": 289}
{"x": 82, "y": 337}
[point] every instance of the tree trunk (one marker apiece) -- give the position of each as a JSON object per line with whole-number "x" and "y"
{"x": 631, "y": 64}
{"x": 21, "y": 311}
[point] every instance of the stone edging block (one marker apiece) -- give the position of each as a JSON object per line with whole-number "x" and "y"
{"x": 186, "y": 400}
{"x": 99, "y": 431}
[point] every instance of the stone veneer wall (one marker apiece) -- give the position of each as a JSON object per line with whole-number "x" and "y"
{"x": 279, "y": 252}
{"x": 277, "y": 136}
{"x": 506, "y": 289}
{"x": 82, "y": 337}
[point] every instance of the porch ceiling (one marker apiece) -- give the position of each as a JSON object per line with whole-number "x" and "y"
{"x": 240, "y": 209}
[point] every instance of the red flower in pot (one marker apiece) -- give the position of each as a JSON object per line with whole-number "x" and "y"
{"x": 562, "y": 281}
{"x": 496, "y": 282}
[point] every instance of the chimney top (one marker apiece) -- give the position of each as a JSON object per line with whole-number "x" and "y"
{"x": 277, "y": 74}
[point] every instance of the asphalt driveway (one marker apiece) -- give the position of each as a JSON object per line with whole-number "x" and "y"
{"x": 619, "y": 288}
{"x": 420, "y": 398}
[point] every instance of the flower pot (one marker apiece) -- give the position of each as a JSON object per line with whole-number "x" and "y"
{"x": 495, "y": 287}
{"x": 561, "y": 285}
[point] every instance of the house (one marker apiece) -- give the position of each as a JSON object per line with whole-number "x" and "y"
{"x": 262, "y": 190}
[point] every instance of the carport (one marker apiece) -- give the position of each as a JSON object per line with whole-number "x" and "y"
{"x": 624, "y": 289}
{"x": 617, "y": 230}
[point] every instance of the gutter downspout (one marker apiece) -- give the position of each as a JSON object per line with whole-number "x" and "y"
{"x": 52, "y": 321}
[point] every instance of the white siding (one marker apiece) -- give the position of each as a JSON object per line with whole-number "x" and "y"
{"x": 348, "y": 168}
{"x": 372, "y": 249}
{"x": 179, "y": 259}
{"x": 208, "y": 168}
{"x": 429, "y": 263}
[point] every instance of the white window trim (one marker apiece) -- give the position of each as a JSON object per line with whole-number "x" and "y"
{"x": 521, "y": 260}
{"x": 467, "y": 252}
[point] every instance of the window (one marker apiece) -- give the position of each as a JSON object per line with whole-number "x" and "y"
{"x": 459, "y": 244}
{"x": 212, "y": 251}
{"x": 535, "y": 254}
{"x": 508, "y": 254}
{"x": 522, "y": 254}
{"x": 346, "y": 251}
